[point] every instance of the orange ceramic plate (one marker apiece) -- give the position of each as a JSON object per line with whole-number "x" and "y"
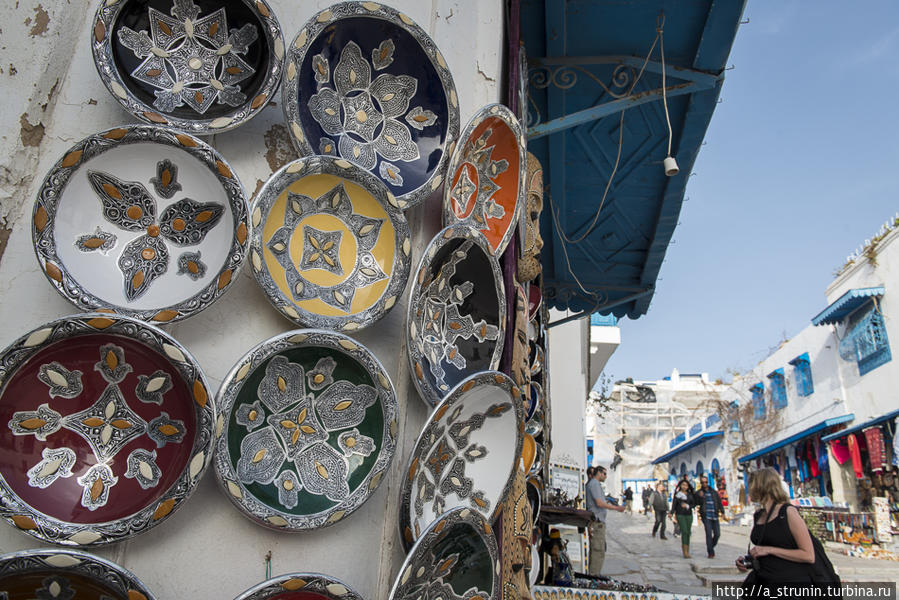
{"x": 486, "y": 175}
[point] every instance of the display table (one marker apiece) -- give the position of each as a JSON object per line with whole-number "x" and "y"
{"x": 545, "y": 592}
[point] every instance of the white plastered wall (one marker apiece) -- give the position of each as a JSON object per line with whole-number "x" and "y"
{"x": 52, "y": 97}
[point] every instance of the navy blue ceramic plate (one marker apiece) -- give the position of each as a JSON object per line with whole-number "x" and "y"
{"x": 365, "y": 83}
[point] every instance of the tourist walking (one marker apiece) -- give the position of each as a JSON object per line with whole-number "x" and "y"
{"x": 647, "y": 497}
{"x": 682, "y": 512}
{"x": 659, "y": 502}
{"x": 598, "y": 505}
{"x": 785, "y": 552}
{"x": 684, "y": 477}
{"x": 709, "y": 504}
{"x": 629, "y": 500}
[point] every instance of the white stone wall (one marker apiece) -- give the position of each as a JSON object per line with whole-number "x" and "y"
{"x": 568, "y": 347}
{"x": 828, "y": 399}
{"x": 52, "y": 97}
{"x": 873, "y": 393}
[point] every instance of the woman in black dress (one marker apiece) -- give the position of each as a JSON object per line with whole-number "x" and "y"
{"x": 783, "y": 551}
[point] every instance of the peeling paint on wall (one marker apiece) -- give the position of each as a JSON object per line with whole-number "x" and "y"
{"x": 279, "y": 149}
{"x": 41, "y": 21}
{"x": 4, "y": 238}
{"x": 31, "y": 135}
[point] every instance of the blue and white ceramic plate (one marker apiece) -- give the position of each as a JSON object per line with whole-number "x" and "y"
{"x": 364, "y": 82}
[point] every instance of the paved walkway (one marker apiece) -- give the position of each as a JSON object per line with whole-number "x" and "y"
{"x": 634, "y": 555}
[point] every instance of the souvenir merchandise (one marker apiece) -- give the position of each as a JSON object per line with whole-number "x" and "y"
{"x": 107, "y": 427}
{"x": 198, "y": 66}
{"x": 520, "y": 367}
{"x": 535, "y": 400}
{"x": 66, "y": 574}
{"x": 301, "y": 586}
{"x": 466, "y": 454}
{"x": 331, "y": 247}
{"x": 142, "y": 220}
{"x": 366, "y": 83}
{"x": 516, "y": 534}
{"x": 309, "y": 429}
{"x": 529, "y": 228}
{"x": 456, "y": 319}
{"x": 536, "y": 356}
{"x": 455, "y": 558}
{"x": 486, "y": 176}
{"x": 528, "y": 452}
{"x": 535, "y": 300}
{"x": 535, "y": 493}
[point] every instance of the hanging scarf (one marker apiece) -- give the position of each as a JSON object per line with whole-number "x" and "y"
{"x": 840, "y": 450}
{"x": 895, "y": 443}
{"x": 855, "y": 455}
{"x": 876, "y": 449}
{"x": 812, "y": 459}
{"x": 821, "y": 451}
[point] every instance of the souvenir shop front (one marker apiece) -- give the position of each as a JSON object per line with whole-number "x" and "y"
{"x": 868, "y": 453}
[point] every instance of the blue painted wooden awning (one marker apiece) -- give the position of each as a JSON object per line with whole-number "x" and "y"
{"x": 583, "y": 59}
{"x": 861, "y": 426}
{"x": 846, "y": 304}
{"x": 797, "y": 437}
{"x": 691, "y": 444}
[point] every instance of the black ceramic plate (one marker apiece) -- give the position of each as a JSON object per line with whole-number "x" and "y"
{"x": 203, "y": 66}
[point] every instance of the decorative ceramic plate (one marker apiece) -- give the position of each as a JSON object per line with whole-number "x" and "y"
{"x": 535, "y": 300}
{"x": 105, "y": 428}
{"x": 456, "y": 319}
{"x": 142, "y": 220}
{"x": 301, "y": 586}
{"x": 309, "y": 429}
{"x": 466, "y": 454}
{"x": 485, "y": 180}
{"x": 535, "y": 399}
{"x": 66, "y": 574}
{"x": 195, "y": 65}
{"x": 455, "y": 558}
{"x": 365, "y": 83}
{"x": 528, "y": 452}
{"x": 535, "y": 493}
{"x": 331, "y": 247}
{"x": 537, "y": 357}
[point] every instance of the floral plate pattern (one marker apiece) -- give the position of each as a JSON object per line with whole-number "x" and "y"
{"x": 66, "y": 574}
{"x": 142, "y": 220}
{"x": 466, "y": 454}
{"x": 189, "y": 64}
{"x": 456, "y": 319}
{"x": 301, "y": 586}
{"x": 366, "y": 83}
{"x": 486, "y": 176}
{"x": 309, "y": 429}
{"x": 331, "y": 247}
{"x": 112, "y": 421}
{"x": 454, "y": 559}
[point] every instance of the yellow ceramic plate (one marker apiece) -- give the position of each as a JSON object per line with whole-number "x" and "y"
{"x": 331, "y": 247}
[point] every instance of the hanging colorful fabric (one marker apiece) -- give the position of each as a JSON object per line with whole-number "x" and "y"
{"x": 876, "y": 450}
{"x": 812, "y": 459}
{"x": 855, "y": 455}
{"x": 840, "y": 450}
{"x": 895, "y": 443}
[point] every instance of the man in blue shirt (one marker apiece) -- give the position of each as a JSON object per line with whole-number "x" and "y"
{"x": 598, "y": 505}
{"x": 709, "y": 505}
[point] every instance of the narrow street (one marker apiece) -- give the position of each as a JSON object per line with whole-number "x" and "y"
{"x": 635, "y": 556}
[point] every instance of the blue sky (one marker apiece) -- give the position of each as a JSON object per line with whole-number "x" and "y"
{"x": 801, "y": 165}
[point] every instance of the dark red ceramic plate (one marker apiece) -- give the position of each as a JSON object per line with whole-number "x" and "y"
{"x": 105, "y": 427}
{"x": 66, "y": 574}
